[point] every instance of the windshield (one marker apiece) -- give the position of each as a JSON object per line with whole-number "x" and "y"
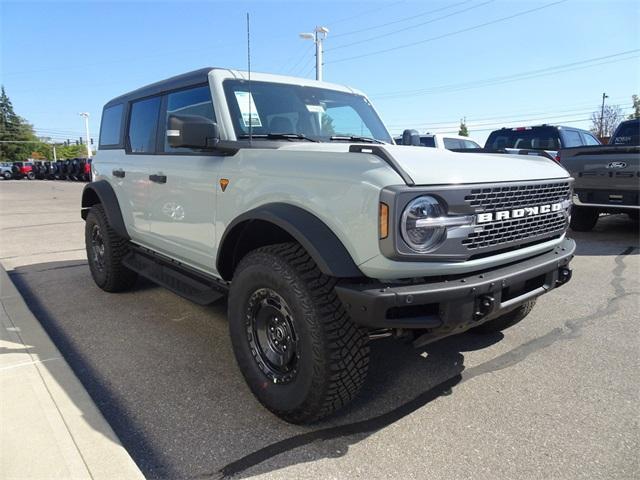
{"x": 544, "y": 138}
{"x": 314, "y": 113}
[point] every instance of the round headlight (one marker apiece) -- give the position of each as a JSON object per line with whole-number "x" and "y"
{"x": 415, "y": 228}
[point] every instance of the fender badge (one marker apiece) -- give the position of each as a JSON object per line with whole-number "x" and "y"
{"x": 223, "y": 183}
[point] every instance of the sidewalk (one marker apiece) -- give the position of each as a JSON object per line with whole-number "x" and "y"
{"x": 49, "y": 425}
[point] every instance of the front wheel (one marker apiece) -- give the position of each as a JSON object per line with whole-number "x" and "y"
{"x": 7, "y": 175}
{"x": 31, "y": 176}
{"x": 507, "y": 320}
{"x": 297, "y": 348}
{"x": 583, "y": 219}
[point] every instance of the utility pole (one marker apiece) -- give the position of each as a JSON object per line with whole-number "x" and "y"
{"x": 85, "y": 115}
{"x": 318, "y": 36}
{"x": 55, "y": 156}
{"x": 604, "y": 95}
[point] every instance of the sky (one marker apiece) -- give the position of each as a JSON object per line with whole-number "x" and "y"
{"x": 424, "y": 64}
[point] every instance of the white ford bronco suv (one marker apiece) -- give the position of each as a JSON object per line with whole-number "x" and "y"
{"x": 290, "y": 196}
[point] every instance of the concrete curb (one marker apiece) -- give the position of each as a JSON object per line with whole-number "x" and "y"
{"x": 49, "y": 425}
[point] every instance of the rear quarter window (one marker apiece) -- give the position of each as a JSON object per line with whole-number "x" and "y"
{"x": 111, "y": 126}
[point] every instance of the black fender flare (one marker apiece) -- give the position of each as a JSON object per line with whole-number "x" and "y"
{"x": 102, "y": 192}
{"x": 324, "y": 247}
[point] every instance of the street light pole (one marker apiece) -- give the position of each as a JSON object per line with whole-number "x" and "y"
{"x": 85, "y": 115}
{"x": 604, "y": 95}
{"x": 318, "y": 36}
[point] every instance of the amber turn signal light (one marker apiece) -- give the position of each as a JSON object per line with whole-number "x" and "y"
{"x": 384, "y": 220}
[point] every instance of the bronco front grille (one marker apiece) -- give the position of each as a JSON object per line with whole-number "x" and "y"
{"x": 517, "y": 230}
{"x": 514, "y": 196}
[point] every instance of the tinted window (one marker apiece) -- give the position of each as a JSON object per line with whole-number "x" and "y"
{"x": 194, "y": 101}
{"x": 110, "y": 125}
{"x": 450, "y": 143}
{"x": 628, "y": 133}
{"x": 541, "y": 138}
{"x": 571, "y": 138}
{"x": 428, "y": 142}
{"x": 143, "y": 124}
{"x": 470, "y": 144}
{"x": 589, "y": 139}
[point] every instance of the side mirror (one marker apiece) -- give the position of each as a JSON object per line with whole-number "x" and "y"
{"x": 410, "y": 137}
{"x": 192, "y": 131}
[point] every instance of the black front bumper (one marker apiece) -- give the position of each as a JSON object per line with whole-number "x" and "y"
{"x": 457, "y": 303}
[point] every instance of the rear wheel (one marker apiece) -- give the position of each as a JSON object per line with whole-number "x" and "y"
{"x": 299, "y": 352}
{"x": 507, "y": 320}
{"x": 31, "y": 176}
{"x": 105, "y": 252}
{"x": 583, "y": 219}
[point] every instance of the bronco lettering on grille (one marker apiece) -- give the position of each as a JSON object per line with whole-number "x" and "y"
{"x": 518, "y": 213}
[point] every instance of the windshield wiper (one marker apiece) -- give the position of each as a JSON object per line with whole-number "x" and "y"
{"x": 292, "y": 137}
{"x": 355, "y": 138}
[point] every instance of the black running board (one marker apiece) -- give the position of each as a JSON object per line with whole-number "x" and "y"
{"x": 180, "y": 279}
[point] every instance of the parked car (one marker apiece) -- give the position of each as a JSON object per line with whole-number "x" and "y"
{"x": 323, "y": 232}
{"x": 6, "y": 170}
{"x": 548, "y": 138}
{"x": 607, "y": 177}
{"x": 21, "y": 170}
{"x": 439, "y": 140}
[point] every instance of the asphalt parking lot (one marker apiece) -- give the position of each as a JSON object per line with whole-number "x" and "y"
{"x": 557, "y": 396}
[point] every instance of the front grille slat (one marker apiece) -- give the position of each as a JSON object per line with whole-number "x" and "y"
{"x": 517, "y": 229}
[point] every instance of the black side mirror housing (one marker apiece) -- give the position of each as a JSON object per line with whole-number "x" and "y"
{"x": 411, "y": 137}
{"x": 192, "y": 131}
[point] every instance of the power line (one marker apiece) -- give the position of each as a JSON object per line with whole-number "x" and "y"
{"x": 449, "y": 34}
{"x": 511, "y": 78}
{"x": 394, "y": 32}
{"x": 365, "y": 12}
{"x": 386, "y": 24}
{"x": 505, "y": 117}
{"x": 539, "y": 120}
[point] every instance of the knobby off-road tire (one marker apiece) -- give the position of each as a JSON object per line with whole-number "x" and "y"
{"x": 105, "y": 251}
{"x": 583, "y": 219}
{"x": 507, "y": 320}
{"x": 278, "y": 292}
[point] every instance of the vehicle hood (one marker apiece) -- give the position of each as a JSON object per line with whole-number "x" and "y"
{"x": 433, "y": 166}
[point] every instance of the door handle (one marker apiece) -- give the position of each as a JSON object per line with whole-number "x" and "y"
{"x": 158, "y": 178}
{"x": 118, "y": 173}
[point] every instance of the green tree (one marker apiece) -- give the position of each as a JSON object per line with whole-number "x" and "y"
{"x": 636, "y": 108}
{"x": 70, "y": 151}
{"x": 17, "y": 139}
{"x": 463, "y": 128}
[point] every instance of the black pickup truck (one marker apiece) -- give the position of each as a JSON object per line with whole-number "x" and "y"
{"x": 607, "y": 177}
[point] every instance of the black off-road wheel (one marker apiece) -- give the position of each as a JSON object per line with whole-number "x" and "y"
{"x": 105, "y": 251}
{"x": 507, "y": 320}
{"x": 583, "y": 219}
{"x": 299, "y": 351}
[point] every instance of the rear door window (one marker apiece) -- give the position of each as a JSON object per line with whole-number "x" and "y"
{"x": 428, "y": 142}
{"x": 143, "y": 125}
{"x": 589, "y": 139}
{"x": 450, "y": 143}
{"x": 571, "y": 138}
{"x": 627, "y": 134}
